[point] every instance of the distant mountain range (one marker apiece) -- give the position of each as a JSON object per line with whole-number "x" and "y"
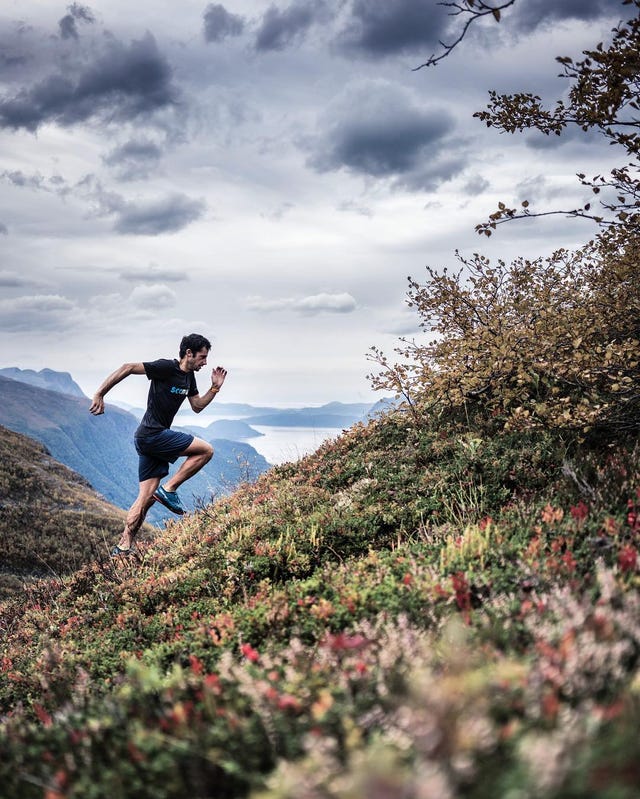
{"x": 231, "y": 429}
{"x": 101, "y": 448}
{"x": 45, "y": 378}
{"x": 339, "y": 415}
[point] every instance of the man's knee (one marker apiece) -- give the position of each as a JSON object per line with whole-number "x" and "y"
{"x": 203, "y": 449}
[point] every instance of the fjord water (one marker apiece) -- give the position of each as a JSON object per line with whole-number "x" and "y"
{"x": 281, "y": 444}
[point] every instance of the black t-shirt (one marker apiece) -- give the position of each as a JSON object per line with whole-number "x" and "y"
{"x": 168, "y": 389}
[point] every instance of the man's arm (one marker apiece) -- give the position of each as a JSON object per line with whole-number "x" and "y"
{"x": 200, "y": 402}
{"x": 97, "y": 406}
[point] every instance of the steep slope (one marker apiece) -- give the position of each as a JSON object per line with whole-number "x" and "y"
{"x": 414, "y": 612}
{"x": 51, "y": 520}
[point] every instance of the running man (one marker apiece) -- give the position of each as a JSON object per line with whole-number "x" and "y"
{"x": 157, "y": 445}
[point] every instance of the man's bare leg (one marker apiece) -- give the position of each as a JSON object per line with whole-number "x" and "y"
{"x": 138, "y": 512}
{"x": 198, "y": 453}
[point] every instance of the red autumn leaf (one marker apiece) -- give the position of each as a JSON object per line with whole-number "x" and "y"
{"x": 250, "y": 653}
{"x": 42, "y": 714}
{"x": 628, "y": 558}
{"x": 341, "y": 641}
{"x": 579, "y": 511}
{"x": 196, "y": 664}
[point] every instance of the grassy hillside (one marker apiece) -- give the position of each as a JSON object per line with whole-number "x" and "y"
{"x": 51, "y": 520}
{"x": 411, "y": 611}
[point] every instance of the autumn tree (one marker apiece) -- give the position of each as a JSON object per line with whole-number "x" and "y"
{"x": 551, "y": 342}
{"x": 604, "y": 97}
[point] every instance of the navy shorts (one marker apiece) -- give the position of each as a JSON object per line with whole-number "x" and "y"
{"x": 158, "y": 450}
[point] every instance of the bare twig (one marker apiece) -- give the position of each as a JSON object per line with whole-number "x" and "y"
{"x": 475, "y": 9}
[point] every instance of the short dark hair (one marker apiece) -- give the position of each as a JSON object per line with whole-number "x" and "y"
{"x": 194, "y": 342}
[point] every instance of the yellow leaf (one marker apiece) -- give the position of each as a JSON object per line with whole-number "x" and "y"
{"x": 323, "y": 703}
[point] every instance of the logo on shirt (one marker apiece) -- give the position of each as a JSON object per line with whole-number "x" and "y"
{"x": 176, "y": 390}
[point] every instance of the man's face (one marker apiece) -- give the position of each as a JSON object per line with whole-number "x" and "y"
{"x": 195, "y": 361}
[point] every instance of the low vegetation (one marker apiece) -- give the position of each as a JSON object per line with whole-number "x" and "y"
{"x": 52, "y": 522}
{"x": 408, "y": 610}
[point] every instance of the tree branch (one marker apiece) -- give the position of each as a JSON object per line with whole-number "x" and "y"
{"x": 475, "y": 9}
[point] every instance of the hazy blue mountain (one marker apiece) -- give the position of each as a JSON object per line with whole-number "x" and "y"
{"x": 45, "y": 378}
{"x": 100, "y": 448}
{"x": 233, "y": 409}
{"x": 299, "y": 418}
{"x": 132, "y": 409}
{"x": 382, "y": 406}
{"x": 350, "y": 408}
{"x": 332, "y": 414}
{"x": 231, "y": 429}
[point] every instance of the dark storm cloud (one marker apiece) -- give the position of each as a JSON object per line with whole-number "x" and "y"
{"x": 8, "y": 61}
{"x": 4, "y": 230}
{"x": 54, "y": 184}
{"x": 278, "y": 29}
{"x": 67, "y": 25}
{"x": 379, "y": 27}
{"x": 155, "y": 217}
{"x": 18, "y": 178}
{"x": 375, "y": 129}
{"x": 527, "y": 16}
{"x": 122, "y": 83}
{"x": 133, "y": 160}
{"x": 220, "y": 23}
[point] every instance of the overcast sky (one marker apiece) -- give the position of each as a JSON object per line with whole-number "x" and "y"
{"x": 267, "y": 174}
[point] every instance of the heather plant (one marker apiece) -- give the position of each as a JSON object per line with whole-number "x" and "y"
{"x": 191, "y": 672}
{"x": 469, "y": 723}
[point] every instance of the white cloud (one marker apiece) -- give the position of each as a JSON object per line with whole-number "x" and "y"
{"x": 46, "y": 312}
{"x": 153, "y": 298}
{"x": 314, "y": 304}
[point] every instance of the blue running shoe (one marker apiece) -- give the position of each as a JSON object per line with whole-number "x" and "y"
{"x": 121, "y": 552}
{"x": 169, "y": 499}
